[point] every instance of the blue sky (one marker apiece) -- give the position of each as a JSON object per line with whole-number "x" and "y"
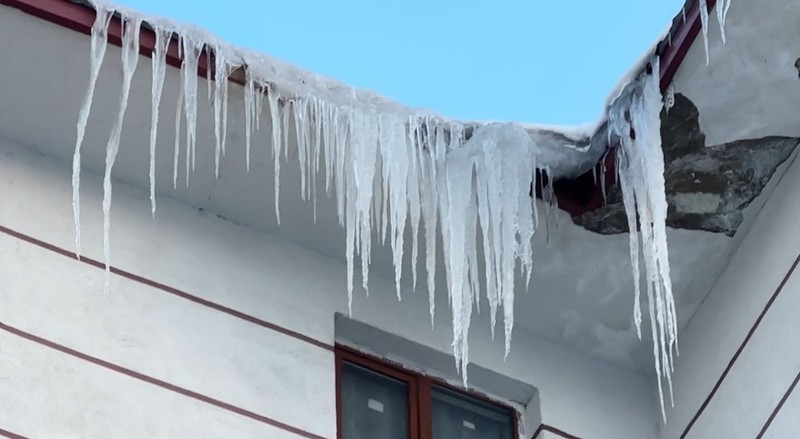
{"x": 536, "y": 61}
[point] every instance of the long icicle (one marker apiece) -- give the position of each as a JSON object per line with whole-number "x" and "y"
{"x": 130, "y": 58}
{"x": 220, "y": 104}
{"x": 99, "y": 42}
{"x": 159, "y": 72}
{"x": 249, "y": 113}
{"x": 192, "y": 47}
{"x": 704, "y": 26}
{"x": 722, "y": 16}
{"x": 277, "y": 137}
{"x": 635, "y": 121}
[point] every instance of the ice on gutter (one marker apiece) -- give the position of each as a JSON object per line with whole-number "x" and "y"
{"x": 390, "y": 167}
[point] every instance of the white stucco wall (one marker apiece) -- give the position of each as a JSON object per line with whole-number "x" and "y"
{"x": 47, "y": 393}
{"x": 750, "y": 87}
{"x": 770, "y": 361}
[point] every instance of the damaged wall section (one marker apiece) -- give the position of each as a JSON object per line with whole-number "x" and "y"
{"x": 707, "y": 186}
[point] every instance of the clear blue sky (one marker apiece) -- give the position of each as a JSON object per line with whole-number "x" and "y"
{"x": 543, "y": 61}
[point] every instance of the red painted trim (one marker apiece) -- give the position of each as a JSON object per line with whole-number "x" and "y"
{"x": 80, "y": 18}
{"x": 749, "y": 336}
{"x": 157, "y": 382}
{"x": 682, "y": 40}
{"x": 419, "y": 387}
{"x": 169, "y": 290}
{"x": 425, "y": 410}
{"x": 349, "y": 356}
{"x": 10, "y": 435}
{"x": 778, "y": 407}
{"x": 550, "y": 429}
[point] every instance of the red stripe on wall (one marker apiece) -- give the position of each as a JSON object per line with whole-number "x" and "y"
{"x": 779, "y": 407}
{"x": 739, "y": 351}
{"x": 156, "y": 382}
{"x": 10, "y": 435}
{"x": 167, "y": 289}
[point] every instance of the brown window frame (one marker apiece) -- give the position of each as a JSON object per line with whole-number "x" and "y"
{"x": 419, "y": 392}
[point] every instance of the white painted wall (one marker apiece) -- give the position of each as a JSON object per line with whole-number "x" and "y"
{"x": 771, "y": 360}
{"x": 49, "y": 394}
{"x": 750, "y": 88}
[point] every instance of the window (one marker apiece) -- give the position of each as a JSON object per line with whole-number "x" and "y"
{"x": 376, "y": 400}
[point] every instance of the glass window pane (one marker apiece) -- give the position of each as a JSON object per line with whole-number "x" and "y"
{"x": 457, "y": 416}
{"x": 374, "y": 406}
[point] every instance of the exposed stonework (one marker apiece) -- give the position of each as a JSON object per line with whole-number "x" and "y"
{"x": 707, "y": 187}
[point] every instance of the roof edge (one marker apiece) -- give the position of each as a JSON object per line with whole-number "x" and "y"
{"x": 79, "y": 15}
{"x": 685, "y": 29}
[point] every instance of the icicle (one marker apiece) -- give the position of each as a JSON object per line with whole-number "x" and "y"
{"x": 159, "y": 72}
{"x": 501, "y": 158}
{"x": 130, "y": 58}
{"x": 299, "y": 115}
{"x": 636, "y": 122}
{"x": 192, "y": 47}
{"x": 414, "y": 203}
{"x": 176, "y": 155}
{"x": 603, "y": 170}
{"x": 704, "y": 21}
{"x": 209, "y": 69}
{"x": 228, "y": 68}
{"x": 629, "y": 199}
{"x": 221, "y": 73}
{"x": 317, "y": 151}
{"x": 261, "y": 90}
{"x": 429, "y": 207}
{"x": 249, "y": 113}
{"x": 669, "y": 100}
{"x": 365, "y": 153}
{"x": 99, "y": 41}
{"x": 722, "y": 15}
{"x": 394, "y": 176}
{"x": 275, "y": 118}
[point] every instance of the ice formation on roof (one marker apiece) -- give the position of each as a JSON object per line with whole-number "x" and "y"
{"x": 722, "y": 15}
{"x": 635, "y": 125}
{"x": 390, "y": 167}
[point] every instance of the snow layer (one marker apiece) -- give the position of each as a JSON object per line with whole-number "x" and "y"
{"x": 390, "y": 167}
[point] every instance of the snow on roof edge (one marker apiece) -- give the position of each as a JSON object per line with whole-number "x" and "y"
{"x": 294, "y": 80}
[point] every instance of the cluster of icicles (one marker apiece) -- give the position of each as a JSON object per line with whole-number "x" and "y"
{"x": 636, "y": 123}
{"x": 722, "y": 6}
{"x": 387, "y": 169}
{"x": 386, "y": 166}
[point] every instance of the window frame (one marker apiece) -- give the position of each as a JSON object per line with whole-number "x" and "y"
{"x": 420, "y": 409}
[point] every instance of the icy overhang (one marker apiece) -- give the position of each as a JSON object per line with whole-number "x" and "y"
{"x": 382, "y": 162}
